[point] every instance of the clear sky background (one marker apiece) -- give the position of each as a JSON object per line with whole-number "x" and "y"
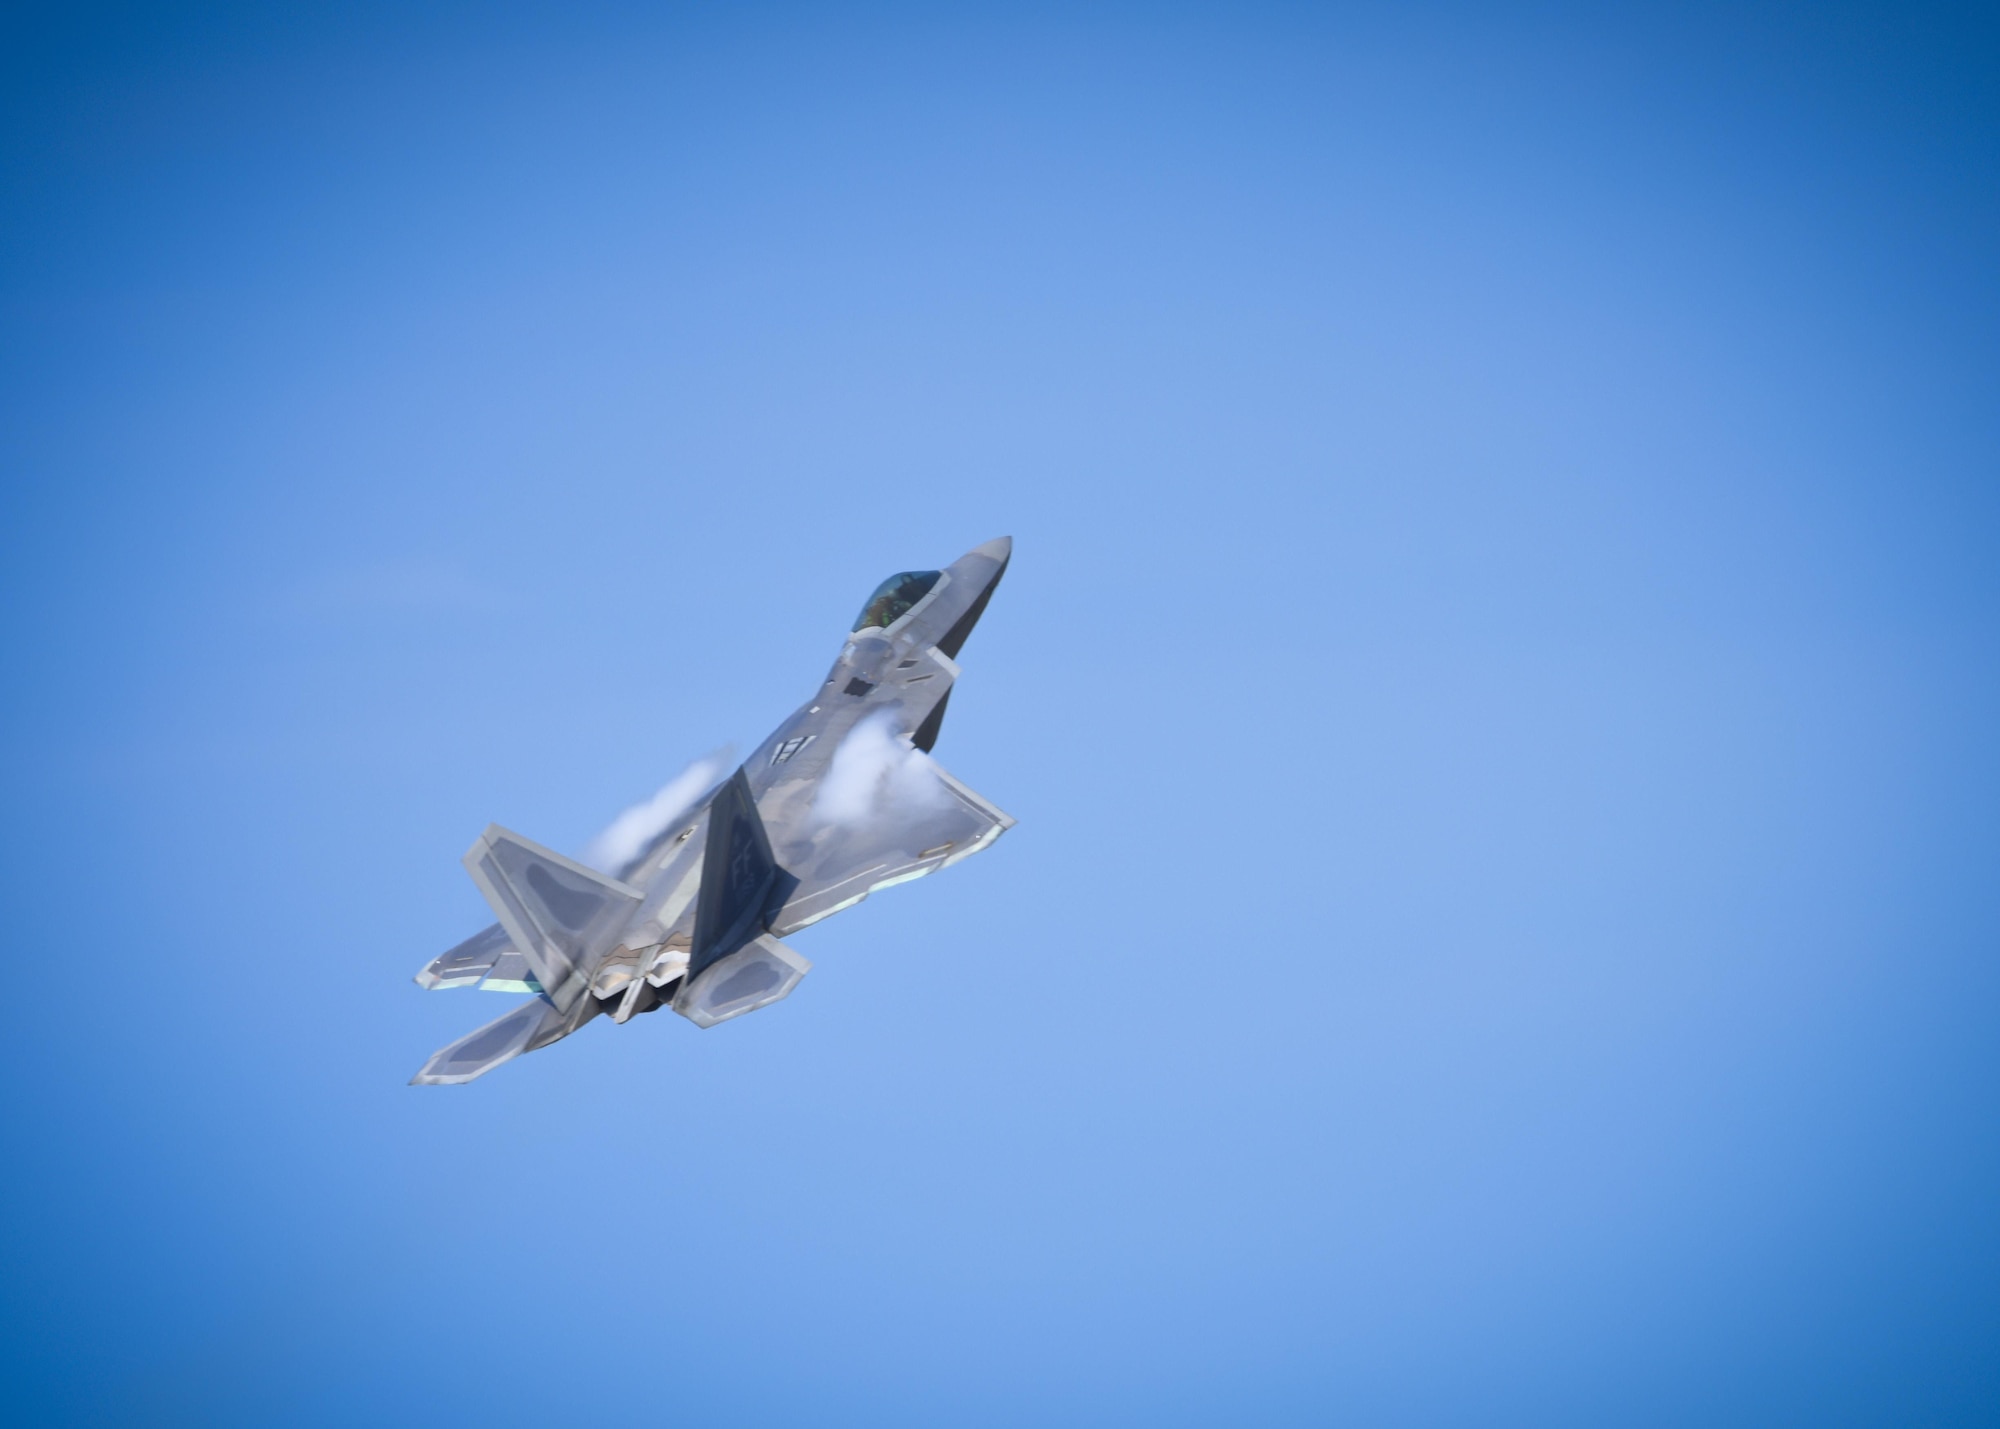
{"x": 1497, "y": 682}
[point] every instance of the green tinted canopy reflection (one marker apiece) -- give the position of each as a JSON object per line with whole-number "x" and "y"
{"x": 894, "y": 597}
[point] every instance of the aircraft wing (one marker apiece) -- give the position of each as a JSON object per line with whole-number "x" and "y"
{"x": 487, "y": 960}
{"x": 837, "y": 867}
{"x": 469, "y": 962}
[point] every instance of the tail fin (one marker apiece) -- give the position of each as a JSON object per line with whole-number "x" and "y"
{"x": 561, "y": 916}
{"x": 741, "y": 883}
{"x": 734, "y": 966}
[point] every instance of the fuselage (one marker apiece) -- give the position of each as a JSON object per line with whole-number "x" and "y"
{"x": 841, "y": 800}
{"x": 894, "y": 673}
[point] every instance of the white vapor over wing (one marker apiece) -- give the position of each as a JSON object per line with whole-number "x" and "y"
{"x": 639, "y": 825}
{"x": 875, "y": 771}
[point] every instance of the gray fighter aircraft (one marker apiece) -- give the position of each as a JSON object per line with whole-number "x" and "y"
{"x": 841, "y": 800}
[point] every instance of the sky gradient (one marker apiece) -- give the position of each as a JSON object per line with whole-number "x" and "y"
{"x": 1497, "y": 681}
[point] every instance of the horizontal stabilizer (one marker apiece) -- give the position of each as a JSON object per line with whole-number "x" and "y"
{"x": 919, "y": 839}
{"x": 759, "y": 973}
{"x": 560, "y": 916}
{"x": 533, "y": 1024}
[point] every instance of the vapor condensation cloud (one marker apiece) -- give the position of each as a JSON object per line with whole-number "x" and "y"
{"x": 639, "y": 825}
{"x": 876, "y": 770}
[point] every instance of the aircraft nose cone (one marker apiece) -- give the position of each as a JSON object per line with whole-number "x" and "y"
{"x": 998, "y": 549}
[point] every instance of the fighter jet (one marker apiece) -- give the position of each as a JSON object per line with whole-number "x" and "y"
{"x": 842, "y": 799}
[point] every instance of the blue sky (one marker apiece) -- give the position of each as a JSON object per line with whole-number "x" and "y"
{"x": 1497, "y": 682}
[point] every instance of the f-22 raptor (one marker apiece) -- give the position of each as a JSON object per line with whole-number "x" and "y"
{"x": 843, "y": 799}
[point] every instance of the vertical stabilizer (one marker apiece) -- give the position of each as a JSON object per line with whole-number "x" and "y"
{"x": 560, "y": 915}
{"x": 734, "y": 966}
{"x": 741, "y": 883}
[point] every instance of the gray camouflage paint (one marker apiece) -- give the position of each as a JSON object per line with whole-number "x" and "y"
{"x": 586, "y": 944}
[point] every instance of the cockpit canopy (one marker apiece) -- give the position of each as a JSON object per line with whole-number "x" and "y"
{"x": 894, "y": 597}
